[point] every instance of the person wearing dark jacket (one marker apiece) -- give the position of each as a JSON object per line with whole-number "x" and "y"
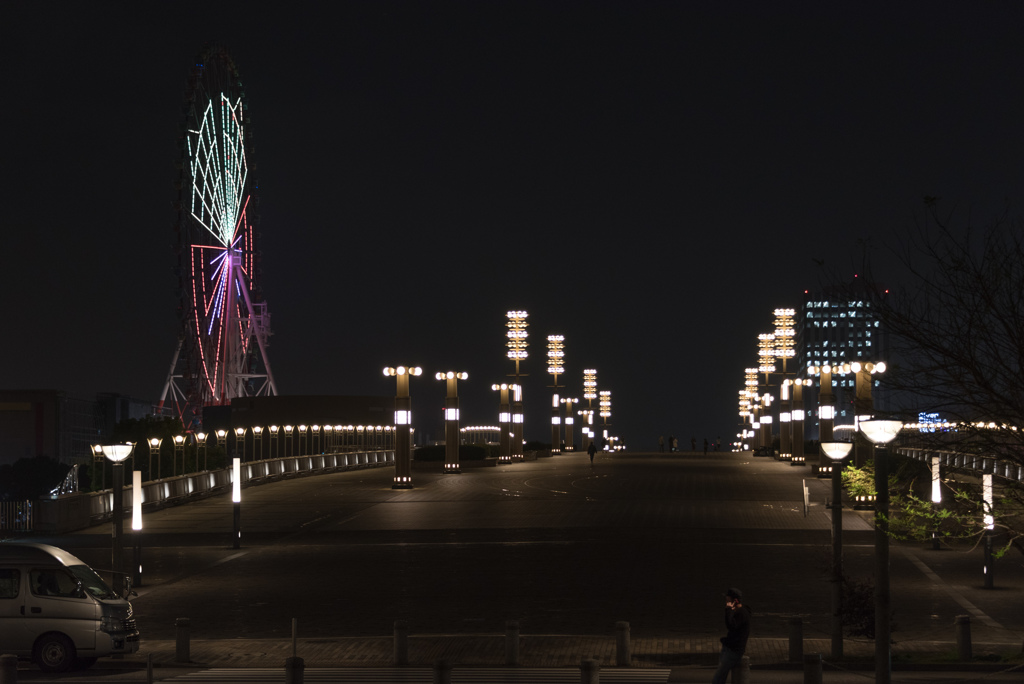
{"x": 734, "y": 643}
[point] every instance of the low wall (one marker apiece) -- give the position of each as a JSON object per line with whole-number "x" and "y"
{"x": 76, "y": 511}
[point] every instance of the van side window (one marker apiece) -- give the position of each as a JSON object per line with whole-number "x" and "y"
{"x": 53, "y": 583}
{"x": 10, "y": 583}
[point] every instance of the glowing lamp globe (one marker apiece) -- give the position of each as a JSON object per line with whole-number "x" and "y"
{"x": 117, "y": 452}
{"x": 837, "y": 451}
{"x": 881, "y": 431}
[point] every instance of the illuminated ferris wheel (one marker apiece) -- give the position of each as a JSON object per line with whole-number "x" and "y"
{"x": 225, "y": 326}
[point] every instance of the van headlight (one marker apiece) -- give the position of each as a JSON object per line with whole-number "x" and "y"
{"x": 110, "y": 624}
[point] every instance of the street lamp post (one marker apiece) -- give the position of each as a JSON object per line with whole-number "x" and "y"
{"x": 116, "y": 454}
{"x": 881, "y": 432}
{"x": 222, "y": 441}
{"x": 274, "y": 449}
{"x": 289, "y": 443}
{"x": 570, "y": 437}
{"x": 257, "y": 439}
{"x": 451, "y": 419}
{"x": 179, "y": 450}
{"x": 863, "y": 403}
{"x": 154, "y": 443}
{"x": 240, "y": 441}
{"x": 837, "y": 451}
{"x": 403, "y": 425}
{"x": 201, "y": 444}
{"x": 504, "y": 424}
{"x": 826, "y": 406}
{"x": 556, "y": 424}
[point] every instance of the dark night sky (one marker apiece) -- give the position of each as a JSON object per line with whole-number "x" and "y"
{"x": 649, "y": 179}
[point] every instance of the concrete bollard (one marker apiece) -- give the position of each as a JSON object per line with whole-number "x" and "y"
{"x": 741, "y": 673}
{"x": 590, "y": 671}
{"x": 796, "y": 640}
{"x": 401, "y": 656}
{"x": 512, "y": 643}
{"x": 8, "y": 669}
{"x": 964, "y": 650}
{"x": 149, "y": 668}
{"x": 182, "y": 647}
{"x": 294, "y": 670}
{"x": 442, "y": 671}
{"x": 812, "y": 668}
{"x": 623, "y": 656}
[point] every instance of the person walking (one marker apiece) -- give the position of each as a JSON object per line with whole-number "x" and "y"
{"x": 693, "y": 444}
{"x": 705, "y": 446}
{"x": 661, "y": 443}
{"x": 592, "y": 449}
{"x": 734, "y": 643}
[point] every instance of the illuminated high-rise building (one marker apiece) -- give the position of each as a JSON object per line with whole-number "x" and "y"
{"x": 838, "y": 326}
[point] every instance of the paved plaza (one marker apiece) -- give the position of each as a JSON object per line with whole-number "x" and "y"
{"x": 564, "y": 548}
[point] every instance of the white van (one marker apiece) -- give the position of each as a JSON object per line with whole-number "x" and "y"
{"x": 56, "y": 610}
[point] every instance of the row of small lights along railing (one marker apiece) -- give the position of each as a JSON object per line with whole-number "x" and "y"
{"x": 298, "y": 440}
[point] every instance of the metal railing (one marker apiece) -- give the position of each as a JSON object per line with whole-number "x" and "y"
{"x": 15, "y": 516}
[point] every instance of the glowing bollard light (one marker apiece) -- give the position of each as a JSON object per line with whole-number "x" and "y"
{"x": 451, "y": 420}
{"x": 137, "y": 526}
{"x": 990, "y": 524}
{"x": 403, "y": 425}
{"x": 236, "y": 499}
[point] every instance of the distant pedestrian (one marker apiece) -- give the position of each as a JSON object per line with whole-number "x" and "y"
{"x": 674, "y": 444}
{"x": 705, "y": 446}
{"x": 734, "y": 643}
{"x": 592, "y": 449}
{"x": 661, "y": 443}
{"x": 718, "y": 443}
{"x": 693, "y": 444}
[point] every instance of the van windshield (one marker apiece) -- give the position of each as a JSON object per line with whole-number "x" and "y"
{"x": 92, "y": 582}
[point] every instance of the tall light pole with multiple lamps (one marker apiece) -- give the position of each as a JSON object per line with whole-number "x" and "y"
{"x": 451, "y": 419}
{"x": 556, "y": 355}
{"x": 403, "y": 425}
{"x": 517, "y": 345}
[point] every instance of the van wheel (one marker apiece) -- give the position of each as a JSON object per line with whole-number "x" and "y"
{"x": 54, "y": 653}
